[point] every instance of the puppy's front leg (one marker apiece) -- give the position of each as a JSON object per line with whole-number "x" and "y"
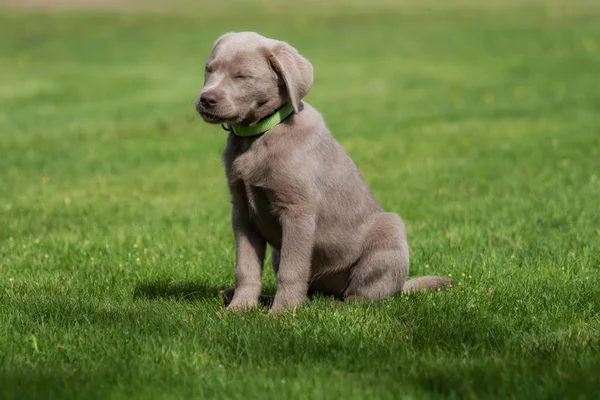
{"x": 250, "y": 256}
{"x": 298, "y": 229}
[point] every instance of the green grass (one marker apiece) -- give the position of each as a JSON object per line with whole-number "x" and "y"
{"x": 479, "y": 125}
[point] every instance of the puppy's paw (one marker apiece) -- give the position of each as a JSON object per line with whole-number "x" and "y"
{"x": 278, "y": 309}
{"x": 242, "y": 303}
{"x": 280, "y": 304}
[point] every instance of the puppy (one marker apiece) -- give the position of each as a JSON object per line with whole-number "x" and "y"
{"x": 294, "y": 187}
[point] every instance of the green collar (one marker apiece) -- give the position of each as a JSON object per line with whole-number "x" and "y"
{"x": 264, "y": 125}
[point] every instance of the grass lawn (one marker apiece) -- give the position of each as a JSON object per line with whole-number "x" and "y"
{"x": 478, "y": 123}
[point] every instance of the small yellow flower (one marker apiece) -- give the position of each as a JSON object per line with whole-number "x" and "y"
{"x": 488, "y": 98}
{"x": 590, "y": 45}
{"x": 46, "y": 256}
{"x": 449, "y": 275}
{"x": 470, "y": 277}
{"x": 137, "y": 260}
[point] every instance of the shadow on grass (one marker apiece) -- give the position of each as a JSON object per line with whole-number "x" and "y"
{"x": 184, "y": 291}
{"x": 36, "y": 383}
{"x": 446, "y": 349}
{"x": 190, "y": 291}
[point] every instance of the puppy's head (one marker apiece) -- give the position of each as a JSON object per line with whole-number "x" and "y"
{"x": 247, "y": 77}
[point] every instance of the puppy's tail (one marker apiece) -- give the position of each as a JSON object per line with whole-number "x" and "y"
{"x": 423, "y": 283}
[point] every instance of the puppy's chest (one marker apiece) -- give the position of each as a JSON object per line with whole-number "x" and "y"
{"x": 260, "y": 203}
{"x": 252, "y": 191}
{"x": 249, "y": 174}
{"x": 247, "y": 169}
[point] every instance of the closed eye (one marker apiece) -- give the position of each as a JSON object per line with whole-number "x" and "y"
{"x": 242, "y": 76}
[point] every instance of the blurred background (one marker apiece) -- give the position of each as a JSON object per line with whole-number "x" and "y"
{"x": 447, "y": 107}
{"x": 477, "y": 121}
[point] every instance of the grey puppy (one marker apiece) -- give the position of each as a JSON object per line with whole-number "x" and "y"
{"x": 294, "y": 187}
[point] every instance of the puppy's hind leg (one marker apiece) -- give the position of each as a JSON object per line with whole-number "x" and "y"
{"x": 378, "y": 275}
{"x": 383, "y": 268}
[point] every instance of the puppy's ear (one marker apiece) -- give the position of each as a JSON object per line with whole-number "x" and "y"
{"x": 295, "y": 71}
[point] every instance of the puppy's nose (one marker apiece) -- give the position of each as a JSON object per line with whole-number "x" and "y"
{"x": 208, "y": 99}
